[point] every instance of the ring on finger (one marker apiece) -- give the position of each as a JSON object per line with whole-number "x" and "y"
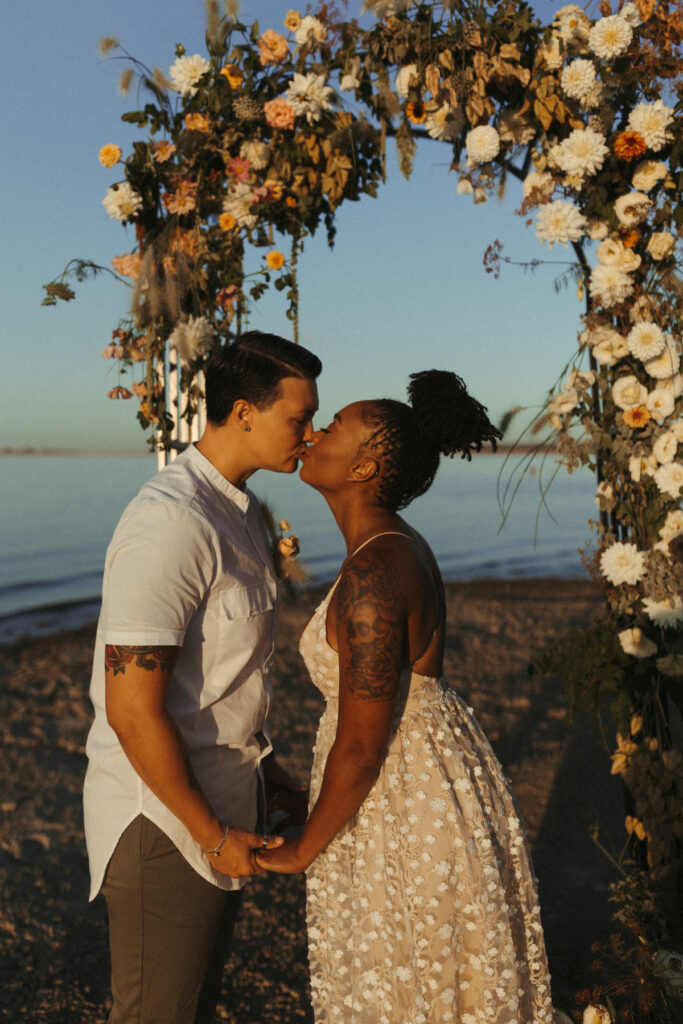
{"x": 264, "y": 842}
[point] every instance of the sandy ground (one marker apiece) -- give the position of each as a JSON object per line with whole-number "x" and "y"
{"x": 53, "y": 953}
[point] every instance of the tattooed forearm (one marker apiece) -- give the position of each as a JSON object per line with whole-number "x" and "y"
{"x": 371, "y": 629}
{"x": 116, "y": 658}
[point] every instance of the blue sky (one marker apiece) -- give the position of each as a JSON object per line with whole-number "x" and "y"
{"x": 404, "y": 288}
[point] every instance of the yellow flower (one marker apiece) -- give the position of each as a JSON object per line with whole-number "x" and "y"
{"x": 274, "y": 187}
{"x": 291, "y": 202}
{"x": 233, "y": 74}
{"x": 416, "y": 112}
{"x": 197, "y": 123}
{"x": 110, "y": 155}
{"x": 292, "y": 21}
{"x": 275, "y": 260}
{"x": 226, "y": 222}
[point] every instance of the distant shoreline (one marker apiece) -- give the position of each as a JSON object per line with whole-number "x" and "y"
{"x": 503, "y": 449}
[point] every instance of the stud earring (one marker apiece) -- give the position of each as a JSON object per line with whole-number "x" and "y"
{"x": 247, "y": 429}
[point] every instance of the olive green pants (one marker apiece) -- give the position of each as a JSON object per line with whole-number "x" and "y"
{"x": 169, "y": 932}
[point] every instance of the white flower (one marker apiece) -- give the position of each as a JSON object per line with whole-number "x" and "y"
{"x": 667, "y": 613}
{"x": 604, "y": 495}
{"x": 641, "y": 310}
{"x": 660, "y": 245}
{"x": 597, "y": 229}
{"x": 582, "y": 152}
{"x": 350, "y": 79}
{"x": 192, "y": 337}
{"x": 563, "y": 402}
{"x": 677, "y": 429}
{"x": 607, "y": 345}
{"x": 610, "y": 36}
{"x": 646, "y": 340}
{"x": 580, "y": 379}
{"x": 635, "y": 643}
{"x": 651, "y": 121}
{"x": 661, "y": 403}
{"x": 406, "y": 79}
{"x": 572, "y": 24}
{"x": 122, "y": 202}
{"x": 628, "y": 392}
{"x": 465, "y": 187}
{"x": 622, "y": 563}
{"x": 673, "y": 525}
{"x": 674, "y": 385}
{"x": 482, "y": 144}
{"x": 638, "y": 465}
{"x": 552, "y": 54}
{"x": 666, "y": 364}
{"x": 613, "y": 253}
{"x": 632, "y": 208}
{"x": 559, "y": 221}
{"x": 308, "y": 95}
{"x": 665, "y": 447}
{"x": 647, "y": 174}
{"x": 539, "y": 185}
{"x": 238, "y": 203}
{"x": 310, "y": 31}
{"x": 185, "y": 73}
{"x": 669, "y": 479}
{"x": 256, "y": 153}
{"x": 610, "y": 285}
{"x": 629, "y": 12}
{"x": 578, "y": 78}
{"x": 445, "y": 123}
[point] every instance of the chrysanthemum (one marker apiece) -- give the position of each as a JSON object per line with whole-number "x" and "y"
{"x": 635, "y": 643}
{"x": 637, "y": 416}
{"x": 632, "y": 208}
{"x": 673, "y": 525}
{"x": 110, "y": 155}
{"x": 661, "y": 403}
{"x": 561, "y": 222}
{"x": 482, "y": 144}
{"x": 628, "y": 392}
{"x": 572, "y": 24}
{"x": 609, "y": 285}
{"x": 578, "y": 78}
{"x": 609, "y": 37}
{"x": 646, "y": 340}
{"x": 309, "y": 96}
{"x": 666, "y": 614}
{"x": 122, "y": 202}
{"x": 629, "y": 145}
{"x": 186, "y": 71}
{"x": 665, "y": 447}
{"x": 582, "y": 152}
{"x": 275, "y": 260}
{"x": 622, "y": 563}
{"x": 446, "y": 123}
{"x": 406, "y": 79}
{"x": 666, "y": 364}
{"x": 310, "y": 32}
{"x": 651, "y": 120}
{"x": 192, "y": 337}
{"x": 669, "y": 479}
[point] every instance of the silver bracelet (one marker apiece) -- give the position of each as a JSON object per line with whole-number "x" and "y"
{"x": 216, "y": 852}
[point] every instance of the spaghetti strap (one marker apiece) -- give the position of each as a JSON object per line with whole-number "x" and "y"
{"x": 386, "y": 533}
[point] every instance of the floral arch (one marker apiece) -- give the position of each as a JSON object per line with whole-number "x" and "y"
{"x": 260, "y": 142}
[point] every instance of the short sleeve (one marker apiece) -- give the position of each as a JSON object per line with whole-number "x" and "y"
{"x": 158, "y": 569}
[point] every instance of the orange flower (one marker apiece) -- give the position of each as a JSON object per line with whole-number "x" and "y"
{"x": 629, "y": 145}
{"x": 109, "y": 155}
{"x": 416, "y": 112}
{"x": 275, "y": 260}
{"x": 279, "y": 114}
{"x": 186, "y": 242}
{"x": 234, "y": 75}
{"x": 631, "y": 238}
{"x": 196, "y": 122}
{"x": 128, "y": 265}
{"x": 637, "y": 417}
{"x": 292, "y": 21}
{"x": 273, "y": 48}
{"x": 163, "y": 151}
{"x": 291, "y": 202}
{"x": 183, "y": 199}
{"x": 226, "y": 222}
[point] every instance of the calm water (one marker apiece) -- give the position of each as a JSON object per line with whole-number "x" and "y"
{"x": 58, "y": 514}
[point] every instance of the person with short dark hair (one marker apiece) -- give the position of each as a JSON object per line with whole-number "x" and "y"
{"x": 178, "y": 756}
{"x": 421, "y": 898}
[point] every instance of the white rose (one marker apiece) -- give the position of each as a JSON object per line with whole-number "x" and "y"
{"x": 647, "y": 174}
{"x": 597, "y": 229}
{"x": 607, "y": 345}
{"x": 632, "y": 208}
{"x": 580, "y": 379}
{"x": 660, "y": 245}
{"x": 613, "y": 253}
{"x": 635, "y": 643}
{"x": 563, "y": 403}
{"x": 628, "y": 392}
{"x": 660, "y": 404}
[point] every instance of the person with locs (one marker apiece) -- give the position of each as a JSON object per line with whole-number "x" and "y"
{"x": 180, "y": 767}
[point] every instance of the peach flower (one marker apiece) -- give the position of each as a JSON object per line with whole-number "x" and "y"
{"x": 110, "y": 155}
{"x": 163, "y": 151}
{"x": 196, "y": 122}
{"x": 279, "y": 114}
{"x": 273, "y": 48}
{"x": 275, "y": 260}
{"x": 292, "y": 21}
{"x": 128, "y": 265}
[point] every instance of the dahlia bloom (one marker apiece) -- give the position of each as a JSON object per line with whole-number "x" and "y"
{"x": 186, "y": 72}
{"x": 559, "y": 221}
{"x": 646, "y": 340}
{"x": 122, "y": 202}
{"x": 652, "y": 120}
{"x": 482, "y": 145}
{"x": 610, "y": 37}
{"x": 622, "y": 563}
{"x": 578, "y": 78}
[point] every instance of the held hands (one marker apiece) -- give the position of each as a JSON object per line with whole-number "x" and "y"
{"x": 285, "y": 859}
{"x": 237, "y": 857}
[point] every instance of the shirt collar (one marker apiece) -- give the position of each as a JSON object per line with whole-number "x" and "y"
{"x": 241, "y": 499}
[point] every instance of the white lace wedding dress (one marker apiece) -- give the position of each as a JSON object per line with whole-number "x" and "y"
{"x": 423, "y": 909}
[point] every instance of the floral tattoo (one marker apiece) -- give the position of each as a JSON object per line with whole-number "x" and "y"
{"x": 370, "y": 610}
{"x": 116, "y": 658}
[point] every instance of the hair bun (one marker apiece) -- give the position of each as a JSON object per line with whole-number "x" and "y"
{"x": 450, "y": 419}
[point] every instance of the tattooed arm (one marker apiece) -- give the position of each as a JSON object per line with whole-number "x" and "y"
{"x": 371, "y": 633}
{"x": 135, "y": 692}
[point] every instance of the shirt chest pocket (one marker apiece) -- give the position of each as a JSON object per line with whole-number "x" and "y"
{"x": 237, "y": 604}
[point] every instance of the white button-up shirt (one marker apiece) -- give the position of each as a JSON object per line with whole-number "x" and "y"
{"x": 189, "y": 565}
